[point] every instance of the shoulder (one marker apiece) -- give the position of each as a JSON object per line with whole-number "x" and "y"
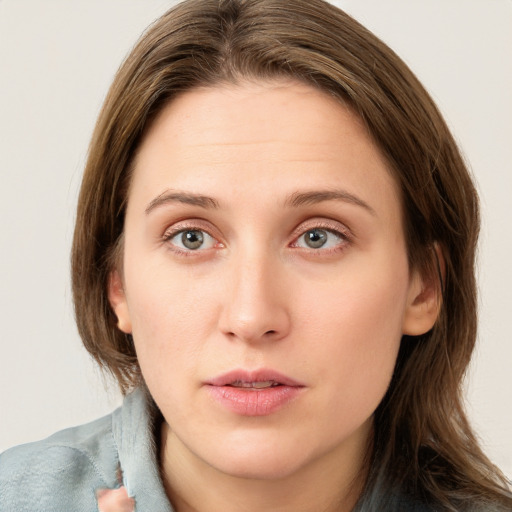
{"x": 61, "y": 472}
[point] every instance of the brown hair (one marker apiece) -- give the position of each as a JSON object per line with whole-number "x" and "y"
{"x": 423, "y": 444}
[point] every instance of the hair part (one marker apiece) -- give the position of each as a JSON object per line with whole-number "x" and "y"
{"x": 423, "y": 443}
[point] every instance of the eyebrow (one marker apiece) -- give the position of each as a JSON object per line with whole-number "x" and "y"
{"x": 168, "y": 197}
{"x": 318, "y": 196}
{"x": 295, "y": 200}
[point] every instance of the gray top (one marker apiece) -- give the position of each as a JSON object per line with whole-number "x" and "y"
{"x": 63, "y": 472}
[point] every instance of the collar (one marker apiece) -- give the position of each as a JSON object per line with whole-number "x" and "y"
{"x": 133, "y": 427}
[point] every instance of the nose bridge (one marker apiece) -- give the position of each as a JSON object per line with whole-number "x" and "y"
{"x": 255, "y": 307}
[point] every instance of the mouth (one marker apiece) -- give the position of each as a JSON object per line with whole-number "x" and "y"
{"x": 254, "y": 393}
{"x": 255, "y": 379}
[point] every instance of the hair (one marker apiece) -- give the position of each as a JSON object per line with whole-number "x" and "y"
{"x": 423, "y": 444}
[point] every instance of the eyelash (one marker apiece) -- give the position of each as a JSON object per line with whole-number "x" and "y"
{"x": 174, "y": 232}
{"x": 344, "y": 236}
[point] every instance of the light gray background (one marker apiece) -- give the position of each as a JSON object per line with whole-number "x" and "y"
{"x": 57, "y": 59}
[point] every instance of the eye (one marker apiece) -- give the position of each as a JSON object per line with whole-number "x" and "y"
{"x": 192, "y": 240}
{"x": 318, "y": 238}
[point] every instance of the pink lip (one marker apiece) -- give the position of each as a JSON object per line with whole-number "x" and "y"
{"x": 253, "y": 401}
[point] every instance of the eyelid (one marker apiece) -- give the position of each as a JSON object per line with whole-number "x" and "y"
{"x": 326, "y": 224}
{"x": 190, "y": 225}
{"x": 207, "y": 240}
{"x": 334, "y": 227}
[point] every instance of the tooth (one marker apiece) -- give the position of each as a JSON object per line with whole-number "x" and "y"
{"x": 265, "y": 384}
{"x": 256, "y": 385}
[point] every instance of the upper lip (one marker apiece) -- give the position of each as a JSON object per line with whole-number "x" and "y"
{"x": 261, "y": 375}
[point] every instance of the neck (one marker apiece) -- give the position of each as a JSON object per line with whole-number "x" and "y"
{"x": 331, "y": 483}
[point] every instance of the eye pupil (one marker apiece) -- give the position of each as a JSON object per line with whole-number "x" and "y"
{"x": 316, "y": 238}
{"x": 192, "y": 239}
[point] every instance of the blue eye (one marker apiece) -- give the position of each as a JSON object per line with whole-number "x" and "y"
{"x": 318, "y": 238}
{"x": 192, "y": 240}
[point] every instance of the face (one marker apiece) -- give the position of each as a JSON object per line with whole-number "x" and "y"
{"x": 265, "y": 278}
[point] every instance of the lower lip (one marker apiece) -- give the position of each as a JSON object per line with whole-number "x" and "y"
{"x": 254, "y": 402}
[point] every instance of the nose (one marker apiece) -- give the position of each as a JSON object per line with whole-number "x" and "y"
{"x": 256, "y": 301}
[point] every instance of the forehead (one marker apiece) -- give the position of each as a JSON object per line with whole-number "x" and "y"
{"x": 274, "y": 138}
{"x": 253, "y": 113}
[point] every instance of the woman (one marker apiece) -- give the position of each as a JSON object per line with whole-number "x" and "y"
{"x": 274, "y": 255}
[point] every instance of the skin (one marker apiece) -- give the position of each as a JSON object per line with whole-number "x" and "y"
{"x": 256, "y": 295}
{"x": 114, "y": 500}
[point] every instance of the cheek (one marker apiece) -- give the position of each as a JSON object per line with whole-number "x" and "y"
{"x": 358, "y": 329}
{"x": 171, "y": 317}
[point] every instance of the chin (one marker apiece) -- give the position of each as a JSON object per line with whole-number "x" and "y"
{"x": 258, "y": 467}
{"x": 260, "y": 459}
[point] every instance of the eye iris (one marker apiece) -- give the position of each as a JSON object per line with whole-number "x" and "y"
{"x": 316, "y": 238}
{"x": 192, "y": 239}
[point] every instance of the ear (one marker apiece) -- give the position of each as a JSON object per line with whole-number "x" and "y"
{"x": 425, "y": 298}
{"x": 117, "y": 299}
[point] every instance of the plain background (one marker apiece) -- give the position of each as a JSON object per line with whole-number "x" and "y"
{"x": 57, "y": 59}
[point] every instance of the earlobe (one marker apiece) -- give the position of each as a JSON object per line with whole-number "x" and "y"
{"x": 425, "y": 299}
{"x": 117, "y": 299}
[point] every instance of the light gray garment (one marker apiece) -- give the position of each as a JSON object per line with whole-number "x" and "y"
{"x": 63, "y": 472}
